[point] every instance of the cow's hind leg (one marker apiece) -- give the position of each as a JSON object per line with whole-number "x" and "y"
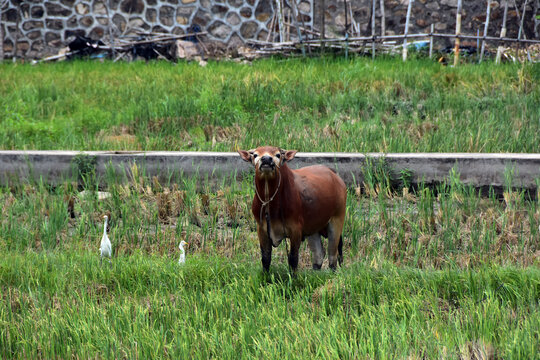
{"x": 317, "y": 250}
{"x": 340, "y": 250}
{"x": 335, "y": 249}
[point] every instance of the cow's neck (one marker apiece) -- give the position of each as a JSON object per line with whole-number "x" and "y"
{"x": 268, "y": 190}
{"x": 269, "y": 193}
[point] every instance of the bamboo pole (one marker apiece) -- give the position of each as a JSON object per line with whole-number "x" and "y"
{"x": 488, "y": 13}
{"x": 431, "y": 41}
{"x": 458, "y": 33}
{"x": 407, "y": 29}
{"x": 503, "y": 33}
{"x": 396, "y": 37}
{"x": 373, "y": 29}
{"x": 383, "y": 18}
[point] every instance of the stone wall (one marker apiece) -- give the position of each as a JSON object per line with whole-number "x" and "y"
{"x": 34, "y": 28}
{"x": 440, "y": 13}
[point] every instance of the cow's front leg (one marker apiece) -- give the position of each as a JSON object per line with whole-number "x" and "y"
{"x": 296, "y": 239}
{"x": 266, "y": 248}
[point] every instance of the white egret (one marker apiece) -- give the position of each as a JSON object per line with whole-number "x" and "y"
{"x": 182, "y": 252}
{"x": 106, "y": 246}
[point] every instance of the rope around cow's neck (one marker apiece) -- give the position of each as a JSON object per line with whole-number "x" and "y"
{"x": 267, "y": 202}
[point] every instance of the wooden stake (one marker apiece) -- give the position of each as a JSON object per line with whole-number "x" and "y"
{"x": 303, "y": 25}
{"x": 521, "y": 19}
{"x": 488, "y": 13}
{"x": 407, "y": 29}
{"x": 111, "y": 37}
{"x": 286, "y": 15}
{"x": 431, "y": 41}
{"x": 323, "y": 35}
{"x": 477, "y": 41}
{"x": 503, "y": 33}
{"x": 373, "y": 29}
{"x": 280, "y": 21}
{"x": 521, "y": 25}
{"x": 2, "y": 4}
{"x": 458, "y": 33}
{"x": 271, "y": 28}
{"x": 383, "y": 18}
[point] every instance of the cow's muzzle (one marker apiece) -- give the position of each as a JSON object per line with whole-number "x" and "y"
{"x": 267, "y": 164}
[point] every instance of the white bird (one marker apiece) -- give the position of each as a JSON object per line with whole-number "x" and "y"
{"x": 106, "y": 247}
{"x": 182, "y": 252}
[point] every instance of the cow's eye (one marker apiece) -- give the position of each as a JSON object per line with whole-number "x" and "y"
{"x": 278, "y": 155}
{"x": 254, "y": 156}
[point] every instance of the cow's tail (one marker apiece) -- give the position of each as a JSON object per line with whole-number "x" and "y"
{"x": 340, "y": 251}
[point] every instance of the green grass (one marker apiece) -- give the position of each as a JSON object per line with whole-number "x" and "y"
{"x": 314, "y": 105}
{"x": 432, "y": 273}
{"x": 62, "y": 305}
{"x": 429, "y": 273}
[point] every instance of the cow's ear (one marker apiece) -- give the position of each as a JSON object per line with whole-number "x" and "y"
{"x": 246, "y": 155}
{"x": 289, "y": 155}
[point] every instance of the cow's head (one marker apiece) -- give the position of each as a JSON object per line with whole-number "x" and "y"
{"x": 267, "y": 159}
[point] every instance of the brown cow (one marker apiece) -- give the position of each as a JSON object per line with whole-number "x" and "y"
{"x": 308, "y": 202}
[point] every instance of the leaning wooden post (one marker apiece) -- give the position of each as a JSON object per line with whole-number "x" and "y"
{"x": 431, "y": 41}
{"x": 383, "y": 18}
{"x": 458, "y": 32}
{"x": 407, "y": 29}
{"x": 373, "y": 29}
{"x": 488, "y": 13}
{"x": 503, "y": 33}
{"x": 295, "y": 17}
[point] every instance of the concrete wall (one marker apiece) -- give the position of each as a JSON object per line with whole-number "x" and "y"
{"x": 481, "y": 170}
{"x": 35, "y": 28}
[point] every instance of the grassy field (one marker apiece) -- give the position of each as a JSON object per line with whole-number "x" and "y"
{"x": 315, "y": 105}
{"x": 430, "y": 273}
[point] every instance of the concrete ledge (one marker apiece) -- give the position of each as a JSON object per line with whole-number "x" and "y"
{"x": 480, "y": 170}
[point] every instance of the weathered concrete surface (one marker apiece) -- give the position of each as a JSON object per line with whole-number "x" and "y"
{"x": 476, "y": 169}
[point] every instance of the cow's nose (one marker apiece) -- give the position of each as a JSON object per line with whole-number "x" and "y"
{"x": 266, "y": 160}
